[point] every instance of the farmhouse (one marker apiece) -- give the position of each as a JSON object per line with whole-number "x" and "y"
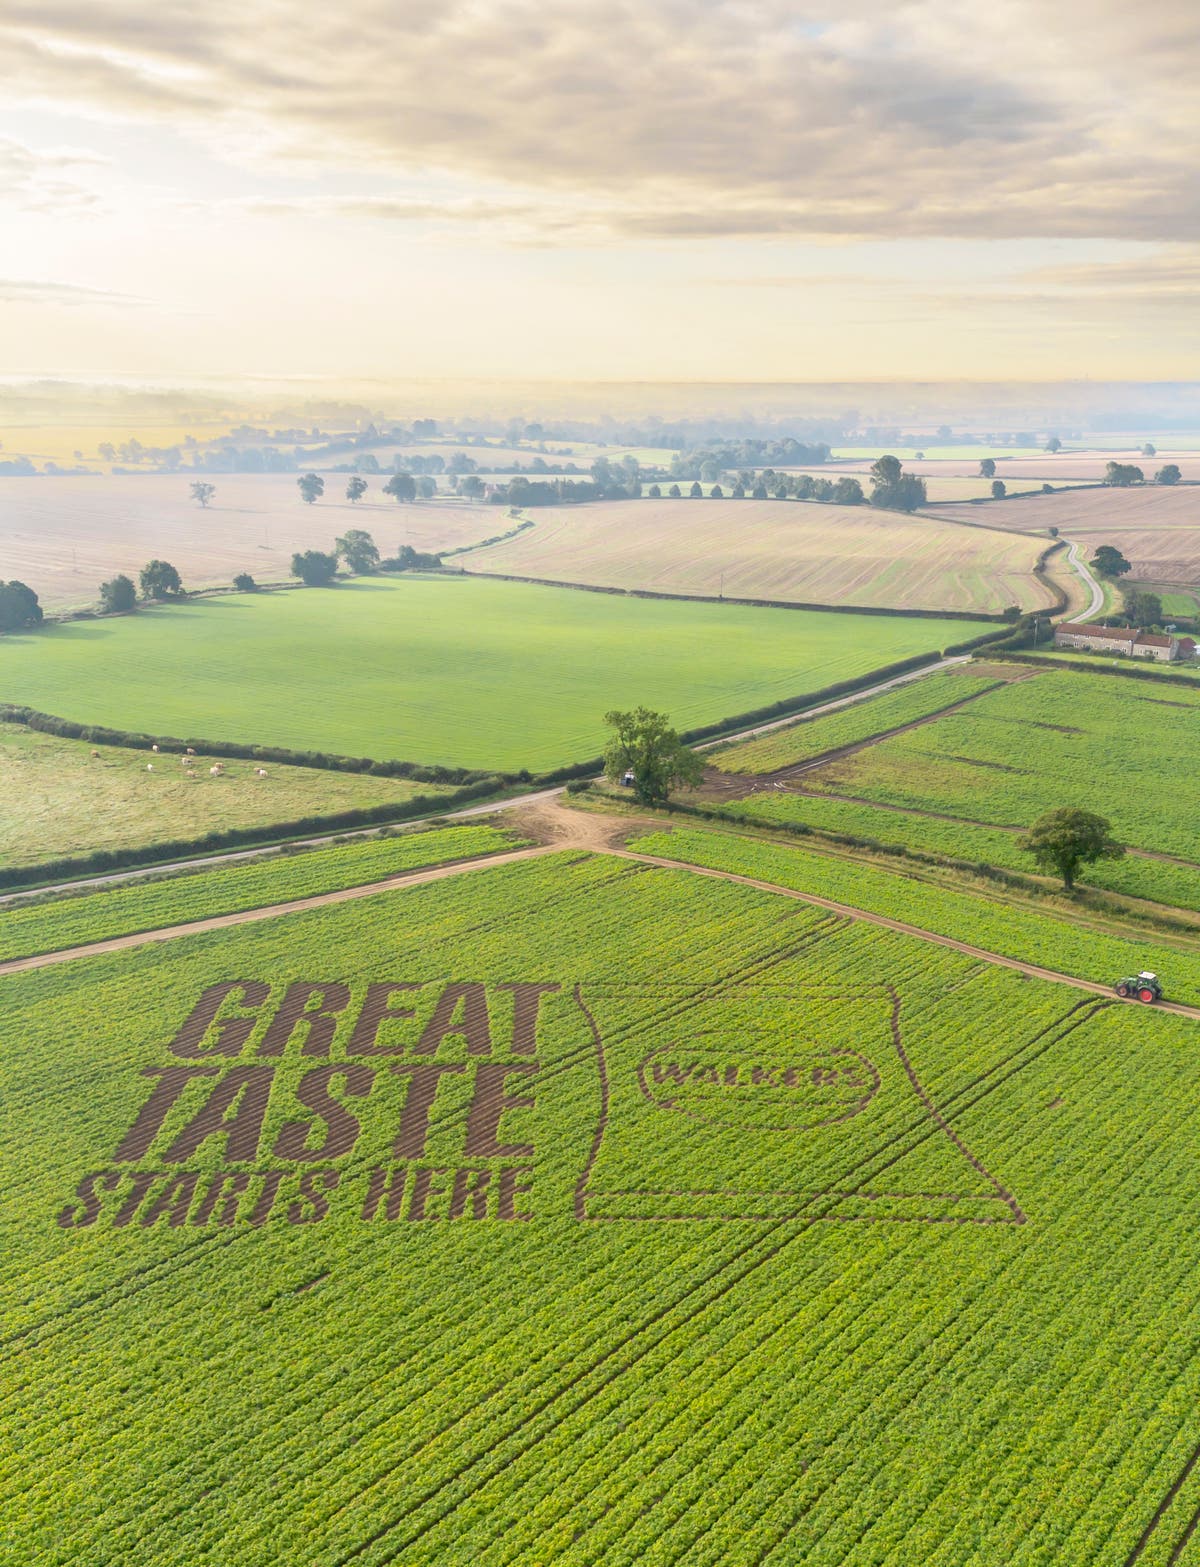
{"x": 1123, "y": 639}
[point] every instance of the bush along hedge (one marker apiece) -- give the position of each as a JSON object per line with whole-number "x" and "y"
{"x": 1126, "y": 671}
{"x": 65, "y": 869}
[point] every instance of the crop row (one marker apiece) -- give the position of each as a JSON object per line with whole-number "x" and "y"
{"x": 1059, "y": 740}
{"x": 1012, "y": 932}
{"x": 876, "y": 715}
{"x": 78, "y": 918}
{"x": 1137, "y": 877}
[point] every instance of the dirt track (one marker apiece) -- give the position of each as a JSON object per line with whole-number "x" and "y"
{"x": 560, "y": 829}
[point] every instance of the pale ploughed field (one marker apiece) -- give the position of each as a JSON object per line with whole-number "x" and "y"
{"x": 64, "y": 536}
{"x": 794, "y": 552}
{"x": 1156, "y": 529}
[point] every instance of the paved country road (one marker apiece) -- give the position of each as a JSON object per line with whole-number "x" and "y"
{"x": 1096, "y": 603}
{"x": 593, "y": 834}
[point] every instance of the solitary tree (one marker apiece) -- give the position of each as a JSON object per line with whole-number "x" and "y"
{"x": 1141, "y": 608}
{"x": 472, "y": 487}
{"x": 674, "y": 493}
{"x": 315, "y": 569}
{"x": 1054, "y": 444}
{"x": 1109, "y": 562}
{"x": 696, "y": 493}
{"x": 645, "y": 745}
{"x": 987, "y": 468}
{"x": 311, "y": 487}
{"x": 118, "y": 596}
{"x": 356, "y": 489}
{"x": 245, "y": 583}
{"x": 1168, "y": 474}
{"x": 1149, "y": 450}
{"x": 359, "y": 550}
{"x": 19, "y": 607}
{"x": 203, "y": 491}
{"x": 716, "y": 493}
{"x": 999, "y": 489}
{"x": 160, "y": 580}
{"x": 401, "y": 487}
{"x": 1065, "y": 839}
{"x": 655, "y": 492}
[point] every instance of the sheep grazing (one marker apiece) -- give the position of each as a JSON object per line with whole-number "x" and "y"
{"x": 95, "y": 753}
{"x": 217, "y": 771}
{"x": 154, "y": 748}
{"x": 260, "y": 772}
{"x": 186, "y": 761}
{"x": 149, "y": 767}
{"x": 190, "y": 752}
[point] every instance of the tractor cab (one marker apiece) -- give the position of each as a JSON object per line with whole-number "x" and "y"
{"x": 1140, "y": 987}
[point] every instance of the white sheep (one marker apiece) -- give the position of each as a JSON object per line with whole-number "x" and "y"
{"x": 95, "y": 753}
{"x": 149, "y": 767}
{"x": 216, "y": 771}
{"x": 260, "y": 772}
{"x": 154, "y": 748}
{"x": 190, "y": 752}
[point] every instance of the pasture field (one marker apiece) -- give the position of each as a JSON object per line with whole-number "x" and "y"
{"x": 1125, "y": 749}
{"x": 809, "y": 737}
{"x": 72, "y": 919}
{"x": 394, "y": 1286}
{"x": 802, "y": 552}
{"x": 450, "y": 670}
{"x": 60, "y": 800}
{"x": 65, "y": 536}
{"x": 1157, "y": 529}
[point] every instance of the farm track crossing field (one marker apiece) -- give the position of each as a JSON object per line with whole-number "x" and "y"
{"x": 1036, "y": 744}
{"x": 62, "y": 798}
{"x": 1157, "y": 529}
{"x": 795, "y": 551}
{"x": 442, "y": 670}
{"x": 972, "y": 1243}
{"x": 65, "y": 536}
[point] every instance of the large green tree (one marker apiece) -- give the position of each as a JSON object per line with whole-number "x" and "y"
{"x": 312, "y": 486}
{"x": 19, "y": 607}
{"x": 359, "y": 550}
{"x": 1141, "y": 608}
{"x": 118, "y": 596}
{"x": 1123, "y": 474}
{"x": 314, "y": 568}
{"x": 645, "y": 745}
{"x": 1065, "y": 839}
{"x": 160, "y": 580}
{"x": 1168, "y": 474}
{"x": 1109, "y": 562}
{"x": 402, "y": 487}
{"x": 356, "y": 489}
{"x": 987, "y": 468}
{"x": 885, "y": 470}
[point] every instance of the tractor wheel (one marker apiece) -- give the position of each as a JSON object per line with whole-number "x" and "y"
{"x": 1122, "y": 990}
{"x": 1146, "y": 994}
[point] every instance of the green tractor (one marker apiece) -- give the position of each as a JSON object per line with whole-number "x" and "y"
{"x": 1142, "y": 987}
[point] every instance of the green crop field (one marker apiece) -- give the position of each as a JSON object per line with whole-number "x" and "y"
{"x": 905, "y": 704}
{"x": 596, "y": 1214}
{"x": 61, "y": 799}
{"x": 1123, "y": 748}
{"x": 441, "y": 670}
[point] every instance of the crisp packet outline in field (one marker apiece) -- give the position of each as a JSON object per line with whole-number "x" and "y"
{"x": 833, "y": 1084}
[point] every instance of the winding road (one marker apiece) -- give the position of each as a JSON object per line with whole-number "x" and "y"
{"x": 1096, "y": 603}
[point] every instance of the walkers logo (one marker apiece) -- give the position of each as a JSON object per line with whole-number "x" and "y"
{"x": 771, "y": 1102}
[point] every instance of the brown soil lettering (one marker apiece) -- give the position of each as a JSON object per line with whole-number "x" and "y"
{"x": 266, "y": 1198}
{"x": 173, "y": 1201}
{"x": 426, "y": 1186}
{"x": 321, "y": 1021}
{"x": 231, "y": 1032}
{"x": 142, "y": 1181}
{"x": 226, "y": 1188}
{"x": 341, "y": 1128}
{"x": 470, "y": 1186}
{"x": 510, "y": 1187}
{"x": 418, "y": 1102}
{"x": 469, "y": 998}
{"x": 386, "y": 1187}
{"x": 88, "y": 1199}
{"x": 312, "y": 1184}
{"x": 172, "y": 1080}
{"x": 527, "y": 998}
{"x": 223, "y": 1116}
{"x": 374, "y": 1014}
{"x": 489, "y": 1104}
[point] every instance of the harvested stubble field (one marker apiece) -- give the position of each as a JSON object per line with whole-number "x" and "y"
{"x": 1023, "y": 470}
{"x": 799, "y": 552}
{"x": 1156, "y": 528}
{"x": 372, "y": 1333}
{"x": 454, "y": 670}
{"x": 61, "y": 800}
{"x": 64, "y": 536}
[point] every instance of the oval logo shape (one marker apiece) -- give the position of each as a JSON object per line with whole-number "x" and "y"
{"x": 765, "y": 1085}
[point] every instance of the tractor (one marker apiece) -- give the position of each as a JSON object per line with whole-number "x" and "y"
{"x": 1142, "y": 987}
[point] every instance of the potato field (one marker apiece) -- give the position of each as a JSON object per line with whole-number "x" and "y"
{"x": 581, "y": 1211}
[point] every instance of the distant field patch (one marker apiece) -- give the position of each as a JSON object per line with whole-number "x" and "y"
{"x": 64, "y": 536}
{"x": 61, "y": 800}
{"x": 452, "y": 670}
{"x": 801, "y": 552}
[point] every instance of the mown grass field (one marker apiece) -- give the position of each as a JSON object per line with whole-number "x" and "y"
{"x": 794, "y": 551}
{"x": 954, "y": 1219}
{"x": 450, "y": 670}
{"x": 60, "y": 800}
{"x": 952, "y": 785}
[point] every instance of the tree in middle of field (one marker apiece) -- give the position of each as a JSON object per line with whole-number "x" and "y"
{"x": 314, "y": 568}
{"x": 203, "y": 492}
{"x": 1067, "y": 838}
{"x": 645, "y": 746}
{"x": 359, "y": 550}
{"x": 1109, "y": 562}
{"x": 312, "y": 486}
{"x": 160, "y": 580}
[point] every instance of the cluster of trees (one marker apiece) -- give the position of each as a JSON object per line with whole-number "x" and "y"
{"x": 710, "y": 461}
{"x": 359, "y": 551}
{"x": 802, "y": 487}
{"x": 158, "y": 580}
{"x": 1123, "y": 474}
{"x": 1140, "y": 608}
{"x": 554, "y": 492}
{"x": 892, "y": 488}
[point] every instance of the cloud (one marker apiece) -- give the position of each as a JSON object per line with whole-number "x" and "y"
{"x": 678, "y": 120}
{"x": 23, "y": 291}
{"x": 43, "y": 181}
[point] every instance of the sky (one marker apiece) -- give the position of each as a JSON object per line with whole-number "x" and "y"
{"x": 717, "y": 190}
